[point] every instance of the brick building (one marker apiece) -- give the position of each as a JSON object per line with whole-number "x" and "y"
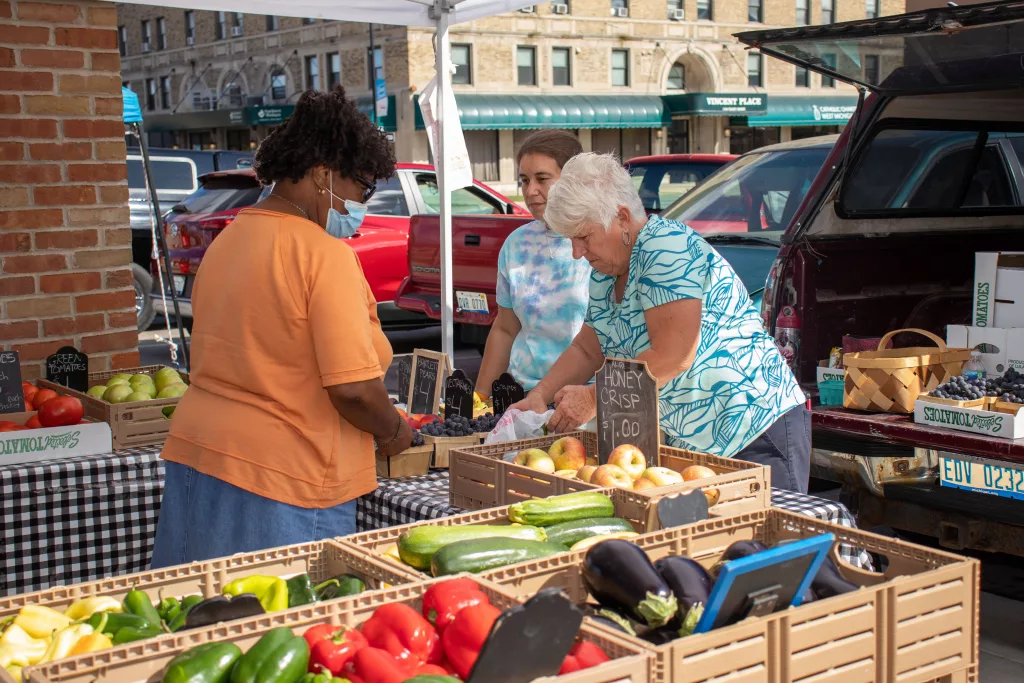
{"x": 631, "y": 76}
{"x": 64, "y": 235}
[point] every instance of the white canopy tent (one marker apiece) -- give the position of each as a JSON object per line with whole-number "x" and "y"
{"x": 437, "y": 13}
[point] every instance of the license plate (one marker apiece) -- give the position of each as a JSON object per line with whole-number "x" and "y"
{"x": 472, "y": 302}
{"x": 982, "y": 475}
{"x": 179, "y": 284}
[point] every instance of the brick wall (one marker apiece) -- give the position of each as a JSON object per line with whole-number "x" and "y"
{"x": 65, "y": 241}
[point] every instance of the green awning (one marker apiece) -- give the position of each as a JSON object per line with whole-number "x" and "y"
{"x": 797, "y": 110}
{"x": 527, "y": 112}
{"x": 270, "y": 115}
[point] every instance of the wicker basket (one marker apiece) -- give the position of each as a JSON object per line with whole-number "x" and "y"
{"x": 890, "y": 380}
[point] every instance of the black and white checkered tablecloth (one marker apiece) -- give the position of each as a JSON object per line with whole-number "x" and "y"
{"x": 410, "y": 499}
{"x": 78, "y": 519}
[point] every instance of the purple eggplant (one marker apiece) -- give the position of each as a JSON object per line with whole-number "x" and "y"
{"x": 691, "y": 584}
{"x": 828, "y": 582}
{"x": 736, "y": 551}
{"x": 659, "y": 636}
{"x": 620, "y": 575}
{"x": 611, "y": 618}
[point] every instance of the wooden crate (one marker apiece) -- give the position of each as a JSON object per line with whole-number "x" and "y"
{"x": 479, "y": 478}
{"x": 444, "y": 445}
{"x": 147, "y": 660}
{"x": 411, "y": 462}
{"x": 141, "y": 423}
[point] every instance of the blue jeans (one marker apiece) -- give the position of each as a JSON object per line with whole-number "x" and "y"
{"x": 202, "y": 517}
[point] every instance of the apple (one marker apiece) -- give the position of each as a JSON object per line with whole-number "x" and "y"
{"x": 173, "y": 391}
{"x": 629, "y": 458}
{"x": 586, "y": 472}
{"x": 114, "y": 381}
{"x": 138, "y": 396}
{"x": 523, "y": 457}
{"x": 694, "y": 472}
{"x": 662, "y": 476}
{"x": 117, "y": 393}
{"x": 611, "y": 475}
{"x": 592, "y": 460}
{"x": 568, "y": 474}
{"x": 98, "y": 390}
{"x": 536, "y": 459}
{"x": 568, "y": 453}
{"x": 165, "y": 377}
{"x": 166, "y": 372}
{"x": 123, "y": 376}
{"x": 143, "y": 388}
{"x": 643, "y": 483}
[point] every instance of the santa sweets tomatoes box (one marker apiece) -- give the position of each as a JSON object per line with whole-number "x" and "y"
{"x": 51, "y": 443}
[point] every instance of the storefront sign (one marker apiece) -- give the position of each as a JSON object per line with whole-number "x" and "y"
{"x": 829, "y": 114}
{"x": 268, "y": 116}
{"x": 627, "y": 409}
{"x": 717, "y": 104}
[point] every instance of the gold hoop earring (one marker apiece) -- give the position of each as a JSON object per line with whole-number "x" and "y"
{"x": 626, "y": 239}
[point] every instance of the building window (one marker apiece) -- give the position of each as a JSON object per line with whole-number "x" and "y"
{"x": 674, "y": 7}
{"x": 677, "y": 77}
{"x": 190, "y": 27}
{"x": 239, "y": 24}
{"x": 561, "y": 66}
{"x": 705, "y": 10}
{"x": 222, "y": 25}
{"x": 803, "y": 12}
{"x": 803, "y": 77}
{"x": 871, "y": 9}
{"x": 147, "y": 37}
{"x": 526, "y": 65}
{"x": 828, "y": 11}
{"x": 755, "y": 11}
{"x": 375, "y": 64}
{"x": 312, "y": 72}
{"x": 150, "y": 94}
{"x": 620, "y": 67}
{"x": 830, "y": 61}
{"x": 165, "y": 92}
{"x": 278, "y": 86}
{"x": 754, "y": 69}
{"x": 308, "y": 21}
{"x": 122, "y": 40}
{"x": 161, "y": 34}
{"x": 272, "y": 22}
{"x": 333, "y": 69}
{"x": 620, "y": 8}
{"x": 462, "y": 57}
{"x": 871, "y": 74}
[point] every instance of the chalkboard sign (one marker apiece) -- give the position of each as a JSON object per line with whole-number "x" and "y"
{"x": 627, "y": 409}
{"x": 458, "y": 396}
{"x": 12, "y": 398}
{"x": 505, "y": 391}
{"x": 428, "y": 372}
{"x": 403, "y": 366}
{"x": 70, "y": 368}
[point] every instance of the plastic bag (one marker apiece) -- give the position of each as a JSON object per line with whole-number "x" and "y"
{"x": 516, "y": 424}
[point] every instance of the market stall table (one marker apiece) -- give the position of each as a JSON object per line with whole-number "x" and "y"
{"x": 411, "y": 499}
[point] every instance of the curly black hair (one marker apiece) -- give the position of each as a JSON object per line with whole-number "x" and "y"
{"x": 326, "y": 129}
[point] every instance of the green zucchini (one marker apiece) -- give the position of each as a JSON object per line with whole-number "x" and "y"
{"x": 558, "y": 509}
{"x": 417, "y": 546}
{"x": 478, "y": 555}
{"x": 571, "y": 533}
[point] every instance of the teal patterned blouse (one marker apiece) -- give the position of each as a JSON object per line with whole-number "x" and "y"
{"x": 739, "y": 383}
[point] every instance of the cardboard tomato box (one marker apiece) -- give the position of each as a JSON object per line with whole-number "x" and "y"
{"x": 52, "y": 443}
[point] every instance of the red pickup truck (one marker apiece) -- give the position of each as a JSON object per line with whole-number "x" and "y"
{"x": 476, "y": 241}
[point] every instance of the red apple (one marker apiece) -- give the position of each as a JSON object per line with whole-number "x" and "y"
{"x": 611, "y": 476}
{"x": 568, "y": 453}
{"x": 661, "y": 476}
{"x": 642, "y": 483}
{"x": 630, "y": 459}
{"x": 586, "y": 472}
{"x": 694, "y": 472}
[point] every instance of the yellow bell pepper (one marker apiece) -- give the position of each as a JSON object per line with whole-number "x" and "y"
{"x": 271, "y": 591}
{"x": 91, "y": 643}
{"x": 22, "y": 646}
{"x": 41, "y": 621}
{"x": 83, "y": 609}
{"x": 64, "y": 641}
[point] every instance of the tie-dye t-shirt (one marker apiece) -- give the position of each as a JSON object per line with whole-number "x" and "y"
{"x": 547, "y": 289}
{"x": 739, "y": 383}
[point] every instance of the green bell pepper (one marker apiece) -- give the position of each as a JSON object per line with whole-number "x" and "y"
{"x": 271, "y": 591}
{"x": 130, "y": 634}
{"x": 208, "y": 663}
{"x": 300, "y": 591}
{"x": 339, "y": 587}
{"x": 138, "y": 603}
{"x": 168, "y": 609}
{"x": 186, "y": 606}
{"x": 278, "y": 657}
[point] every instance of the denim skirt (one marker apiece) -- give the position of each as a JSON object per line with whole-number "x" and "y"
{"x": 202, "y": 517}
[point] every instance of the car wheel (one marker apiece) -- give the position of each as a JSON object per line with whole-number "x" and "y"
{"x": 143, "y": 302}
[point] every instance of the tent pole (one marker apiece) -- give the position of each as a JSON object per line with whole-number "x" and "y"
{"x": 162, "y": 242}
{"x": 443, "y": 62}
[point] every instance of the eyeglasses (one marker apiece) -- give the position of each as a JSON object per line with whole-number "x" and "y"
{"x": 369, "y": 188}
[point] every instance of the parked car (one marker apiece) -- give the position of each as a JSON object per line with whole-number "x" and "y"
{"x": 381, "y": 242}
{"x": 477, "y": 240}
{"x": 929, "y": 171}
{"x": 176, "y": 175}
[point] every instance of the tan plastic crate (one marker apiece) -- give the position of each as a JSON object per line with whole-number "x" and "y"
{"x": 916, "y": 622}
{"x": 480, "y": 479}
{"x": 141, "y": 423}
{"x": 145, "y": 661}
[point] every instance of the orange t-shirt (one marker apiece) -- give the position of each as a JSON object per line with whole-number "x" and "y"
{"x": 282, "y": 310}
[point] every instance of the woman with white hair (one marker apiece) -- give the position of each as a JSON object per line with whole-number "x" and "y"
{"x": 661, "y": 294}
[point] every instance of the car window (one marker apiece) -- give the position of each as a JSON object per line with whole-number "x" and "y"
{"x": 758, "y": 193}
{"x": 466, "y": 200}
{"x": 168, "y": 173}
{"x": 661, "y": 184}
{"x": 221, "y": 194}
{"x": 389, "y": 199}
{"x": 933, "y": 171}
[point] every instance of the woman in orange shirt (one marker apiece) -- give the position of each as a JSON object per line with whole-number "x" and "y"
{"x": 275, "y": 439}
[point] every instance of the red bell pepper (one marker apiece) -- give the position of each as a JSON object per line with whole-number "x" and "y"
{"x": 442, "y": 601}
{"x": 331, "y": 647}
{"x": 583, "y": 655}
{"x": 402, "y": 631}
{"x": 373, "y": 665}
{"x": 467, "y": 634}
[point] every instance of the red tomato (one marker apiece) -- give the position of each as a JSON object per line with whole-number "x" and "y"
{"x": 41, "y": 397}
{"x": 28, "y": 390}
{"x": 7, "y": 425}
{"x": 61, "y": 412}
{"x": 33, "y": 422}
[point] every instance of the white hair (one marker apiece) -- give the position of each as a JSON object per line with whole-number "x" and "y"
{"x": 590, "y": 191}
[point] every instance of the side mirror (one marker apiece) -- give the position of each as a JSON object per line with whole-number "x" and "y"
{"x": 510, "y": 209}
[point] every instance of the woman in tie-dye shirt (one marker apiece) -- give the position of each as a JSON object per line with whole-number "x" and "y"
{"x": 542, "y": 290}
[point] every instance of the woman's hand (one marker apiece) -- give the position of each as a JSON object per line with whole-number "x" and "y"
{"x": 533, "y": 402}
{"x": 574, "y": 406}
{"x": 402, "y": 442}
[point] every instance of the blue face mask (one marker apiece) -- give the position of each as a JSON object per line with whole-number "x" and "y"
{"x": 343, "y": 225}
